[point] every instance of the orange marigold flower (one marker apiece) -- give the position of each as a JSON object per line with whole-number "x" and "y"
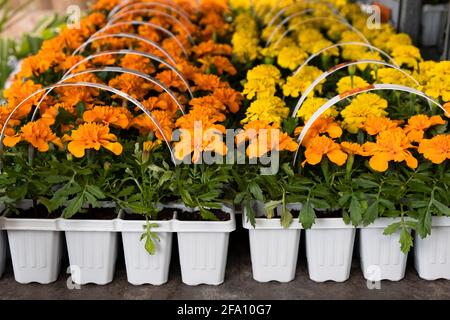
{"x": 436, "y": 149}
{"x": 37, "y": 133}
{"x": 320, "y": 126}
{"x": 171, "y": 80}
{"x": 447, "y": 109}
{"x": 145, "y": 125}
{"x": 374, "y": 125}
{"x": 105, "y": 60}
{"x": 131, "y": 85}
{"x": 211, "y": 48}
{"x": 221, "y": 64}
{"x": 16, "y": 93}
{"x": 417, "y": 125}
{"x": 231, "y": 98}
{"x": 353, "y": 148}
{"x": 391, "y": 145}
{"x": 209, "y": 105}
{"x": 135, "y": 62}
{"x": 265, "y": 143}
{"x": 92, "y": 136}
{"x": 208, "y": 82}
{"x": 320, "y": 146}
{"x": 115, "y": 116}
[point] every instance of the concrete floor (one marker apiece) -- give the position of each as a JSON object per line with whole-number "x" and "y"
{"x": 238, "y": 284}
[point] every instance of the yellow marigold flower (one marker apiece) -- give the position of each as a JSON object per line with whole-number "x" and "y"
{"x": 320, "y": 146}
{"x": 119, "y": 117}
{"x": 353, "y": 52}
{"x": 273, "y": 49}
{"x": 369, "y": 55}
{"x": 307, "y": 37}
{"x": 389, "y": 75}
{"x": 437, "y": 87}
{"x": 407, "y": 55}
{"x": 437, "y": 149}
{"x": 399, "y": 39}
{"x": 391, "y": 145}
{"x": 311, "y": 105}
{"x": 300, "y": 82}
{"x": 93, "y": 136}
{"x": 322, "y": 44}
{"x": 36, "y": 133}
{"x": 349, "y": 83}
{"x": 374, "y": 125}
{"x": 271, "y": 109}
{"x": 262, "y": 81}
{"x": 291, "y": 57}
{"x": 361, "y": 108}
{"x": 417, "y": 125}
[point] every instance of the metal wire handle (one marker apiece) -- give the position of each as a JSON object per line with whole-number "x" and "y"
{"x": 148, "y": 24}
{"x": 121, "y": 52}
{"x": 330, "y": 103}
{"x": 342, "y": 66}
{"x": 125, "y": 35}
{"x": 137, "y": 53}
{"x": 118, "y": 70}
{"x": 120, "y": 16}
{"x": 287, "y": 19}
{"x": 348, "y": 25}
{"x": 96, "y": 86}
{"x": 283, "y": 10}
{"x": 343, "y": 44}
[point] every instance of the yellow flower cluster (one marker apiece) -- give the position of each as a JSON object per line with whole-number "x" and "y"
{"x": 245, "y": 40}
{"x": 262, "y": 81}
{"x": 301, "y": 81}
{"x": 269, "y": 109}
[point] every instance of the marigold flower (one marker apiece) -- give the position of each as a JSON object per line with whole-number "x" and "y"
{"x": 320, "y": 126}
{"x": 211, "y": 48}
{"x": 262, "y": 81}
{"x": 417, "y": 125}
{"x": 291, "y": 57}
{"x": 132, "y": 85}
{"x": 447, "y": 109}
{"x": 300, "y": 82}
{"x": 271, "y": 109}
{"x": 208, "y": 82}
{"x": 221, "y": 64}
{"x": 389, "y": 75}
{"x": 407, "y": 54}
{"x": 115, "y": 116}
{"x": 265, "y": 143}
{"x": 374, "y": 125}
{"x": 320, "y": 146}
{"x": 311, "y": 105}
{"x": 92, "y": 136}
{"x": 139, "y": 63}
{"x": 171, "y": 80}
{"x": 145, "y": 124}
{"x": 353, "y": 148}
{"x": 436, "y": 149}
{"x": 362, "y": 107}
{"x": 231, "y": 98}
{"x": 349, "y": 83}
{"x": 391, "y": 145}
{"x": 37, "y": 133}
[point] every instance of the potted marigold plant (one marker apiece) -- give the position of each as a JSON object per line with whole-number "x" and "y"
{"x": 146, "y": 225}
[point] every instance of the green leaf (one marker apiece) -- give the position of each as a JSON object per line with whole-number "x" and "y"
{"x": 392, "y": 228}
{"x": 371, "y": 214}
{"x": 150, "y": 245}
{"x": 355, "y": 211}
{"x": 307, "y": 216}
{"x": 441, "y": 207}
{"x": 95, "y": 191}
{"x": 286, "y": 218}
{"x": 256, "y": 191}
{"x": 406, "y": 240}
{"x": 74, "y": 206}
{"x": 424, "y": 223}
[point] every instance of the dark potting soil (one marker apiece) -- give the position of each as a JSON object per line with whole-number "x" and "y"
{"x": 96, "y": 214}
{"x": 329, "y": 214}
{"x": 295, "y": 213}
{"x": 37, "y": 212}
{"x": 164, "y": 215}
{"x": 196, "y": 216}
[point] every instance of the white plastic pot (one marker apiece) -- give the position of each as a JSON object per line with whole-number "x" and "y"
{"x": 273, "y": 249}
{"x": 143, "y": 268}
{"x": 2, "y": 247}
{"x": 36, "y": 247}
{"x": 432, "y": 254}
{"x": 329, "y": 250}
{"x": 381, "y": 256}
{"x": 433, "y": 24}
{"x": 92, "y": 248}
{"x": 203, "y": 249}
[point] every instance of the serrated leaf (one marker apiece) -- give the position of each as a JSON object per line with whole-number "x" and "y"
{"x": 371, "y": 214}
{"x": 150, "y": 245}
{"x": 95, "y": 191}
{"x": 256, "y": 191}
{"x": 307, "y": 216}
{"x": 286, "y": 218}
{"x": 74, "y": 206}
{"x": 406, "y": 240}
{"x": 355, "y": 211}
{"x": 392, "y": 228}
{"x": 441, "y": 207}
{"x": 424, "y": 222}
